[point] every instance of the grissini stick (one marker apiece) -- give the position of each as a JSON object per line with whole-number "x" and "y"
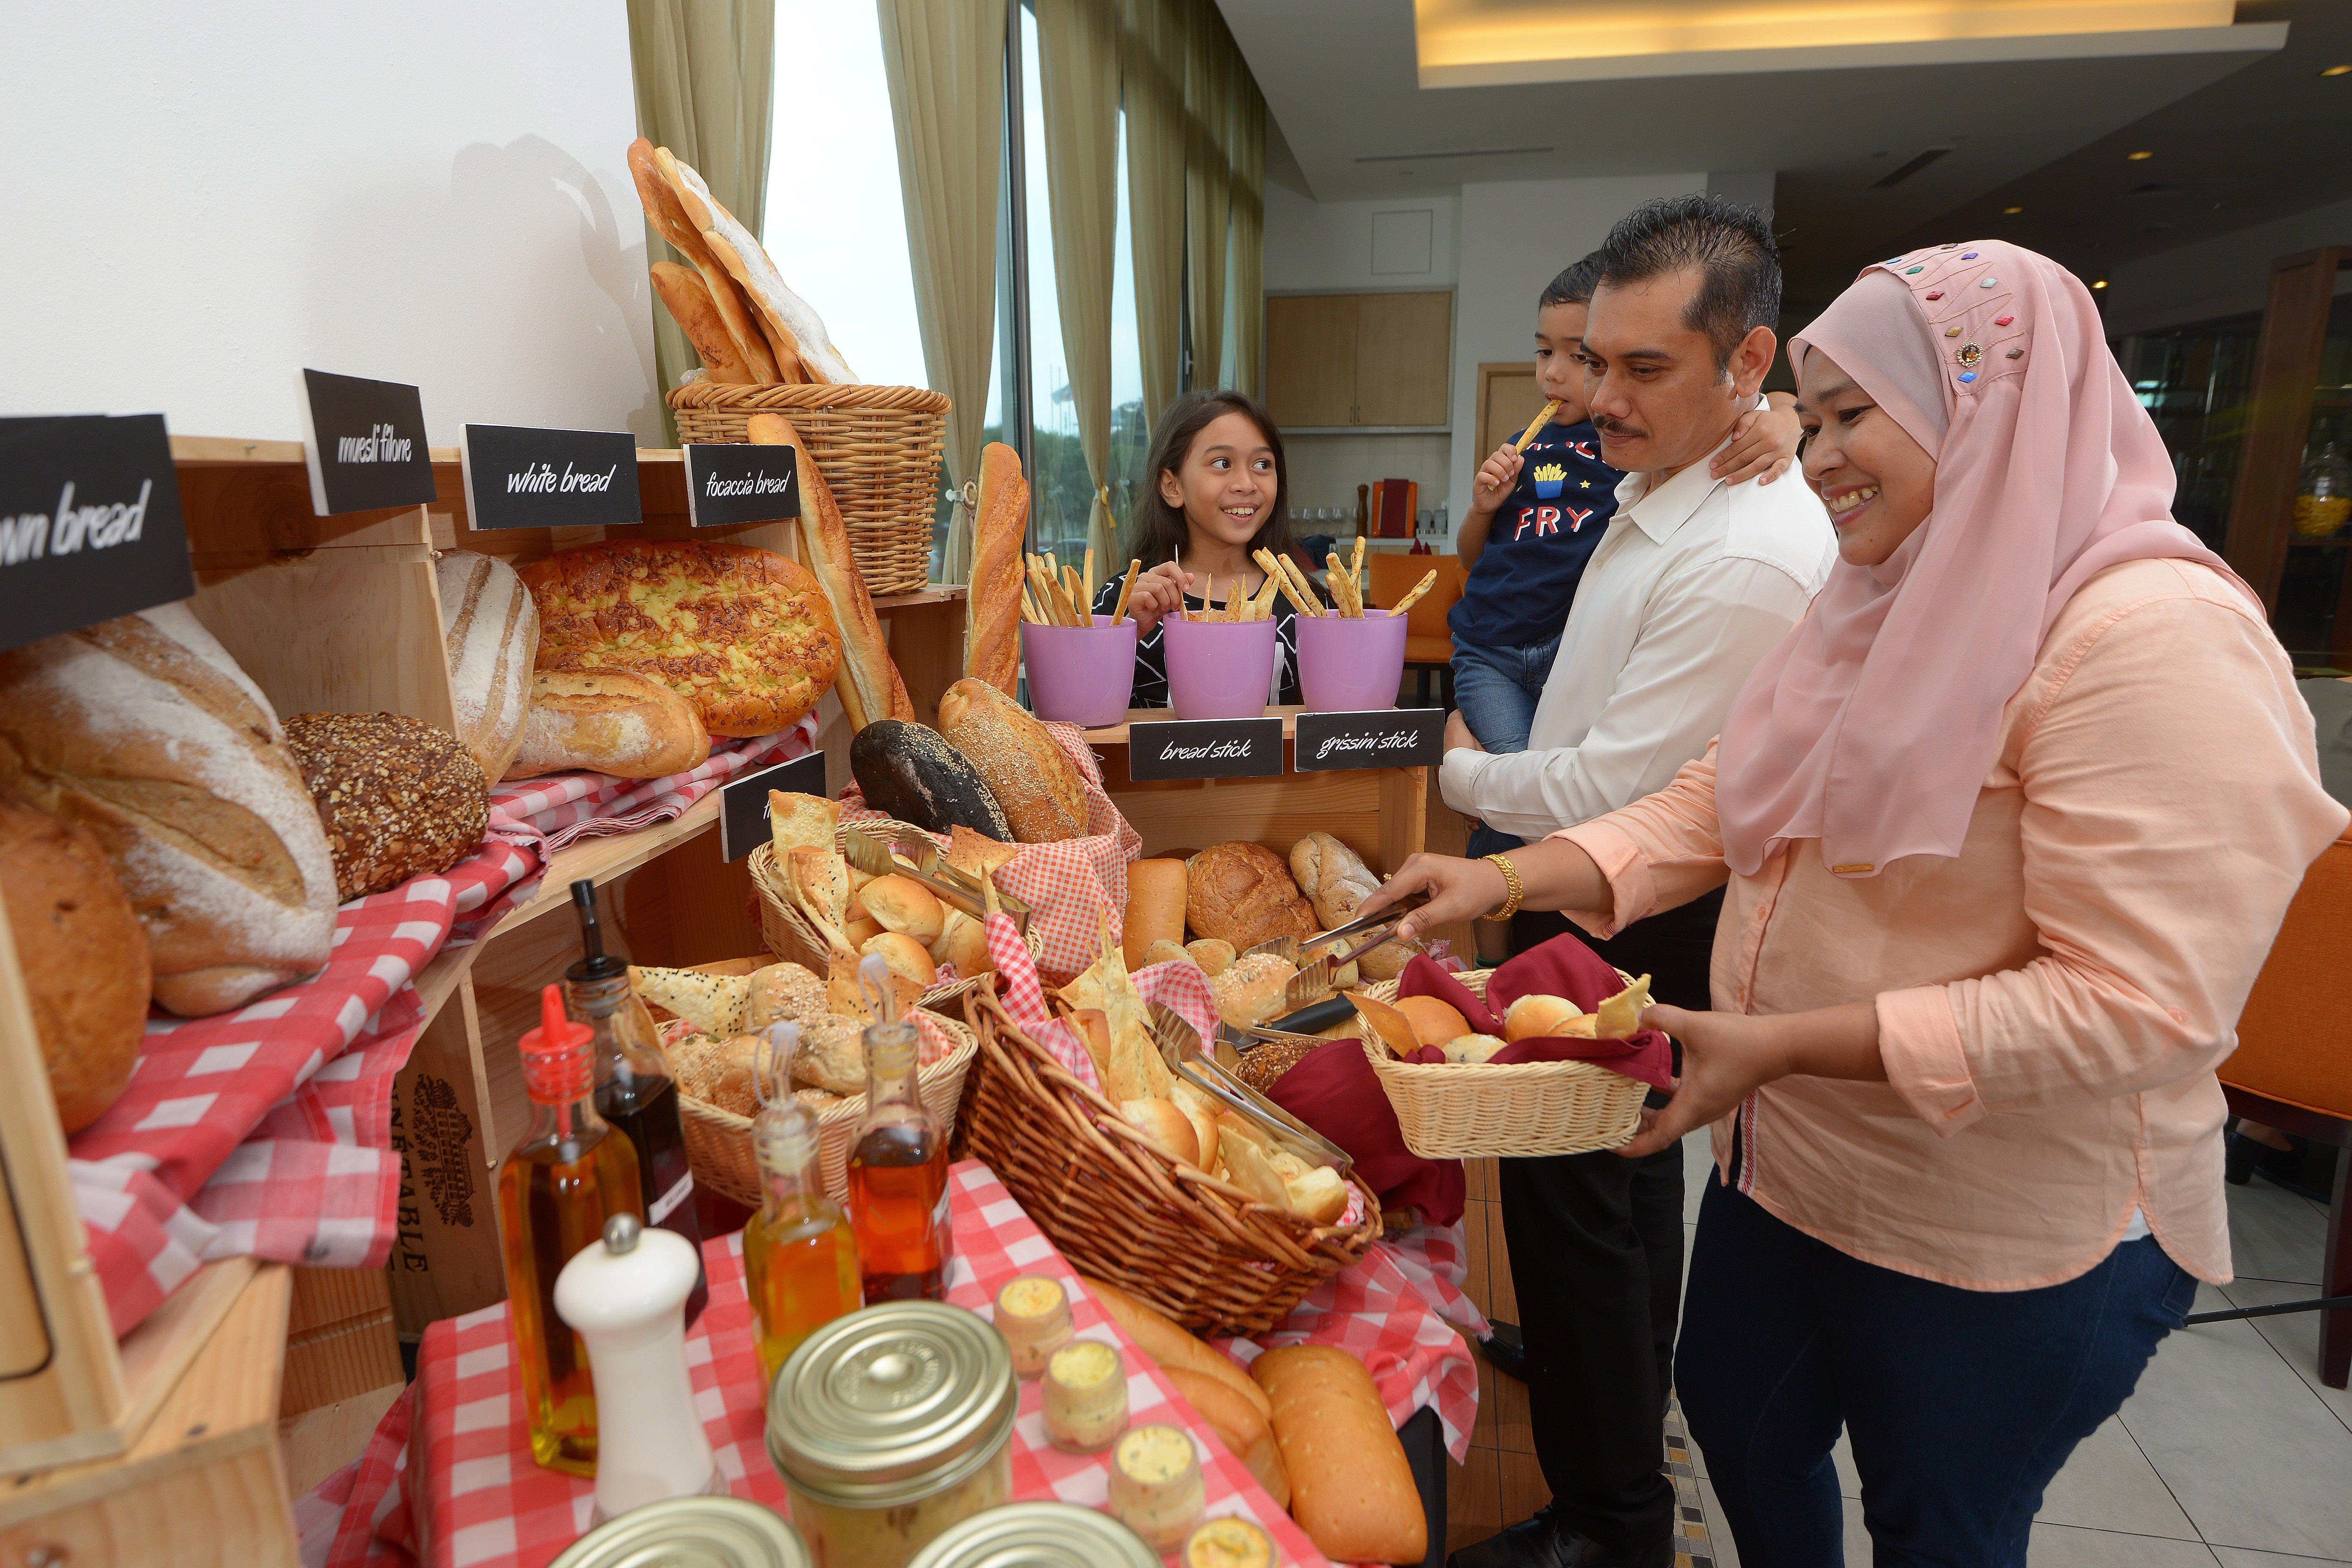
{"x": 1537, "y": 422}
{"x": 1343, "y": 589}
{"x": 1088, "y": 580}
{"x": 1263, "y": 605}
{"x": 1080, "y": 604}
{"x": 1428, "y": 579}
{"x": 1029, "y": 607}
{"x": 1272, "y": 564}
{"x": 1134, "y": 569}
{"x": 1356, "y": 567}
{"x": 1306, "y": 588}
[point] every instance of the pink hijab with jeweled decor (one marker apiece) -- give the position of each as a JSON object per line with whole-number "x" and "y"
{"x": 1872, "y": 724}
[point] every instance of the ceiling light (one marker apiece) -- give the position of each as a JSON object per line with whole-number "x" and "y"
{"x": 1452, "y": 153}
{"x": 2101, "y": 283}
{"x": 2137, "y": 157}
{"x": 2011, "y": 212}
{"x": 2338, "y": 70}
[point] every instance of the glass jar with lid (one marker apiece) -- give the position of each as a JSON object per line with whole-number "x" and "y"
{"x": 709, "y": 1531}
{"x": 2323, "y": 494}
{"x": 890, "y": 1425}
{"x": 1039, "y": 1535}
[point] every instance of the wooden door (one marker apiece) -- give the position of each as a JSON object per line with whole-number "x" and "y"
{"x": 1310, "y": 359}
{"x": 1508, "y": 398}
{"x": 1404, "y": 355}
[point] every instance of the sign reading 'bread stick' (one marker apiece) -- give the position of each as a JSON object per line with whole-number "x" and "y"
{"x": 90, "y": 523}
{"x": 1386, "y": 738}
{"x": 521, "y": 478}
{"x": 364, "y": 442}
{"x": 727, "y": 482}
{"x": 1205, "y": 749}
{"x": 743, "y": 802}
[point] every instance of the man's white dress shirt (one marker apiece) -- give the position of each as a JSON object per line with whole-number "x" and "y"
{"x": 1693, "y": 584}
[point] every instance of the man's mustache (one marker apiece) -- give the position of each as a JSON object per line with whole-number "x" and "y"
{"x": 1609, "y": 427}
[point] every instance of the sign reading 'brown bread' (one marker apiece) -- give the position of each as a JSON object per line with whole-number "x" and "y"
{"x": 90, "y": 523}
{"x": 365, "y": 441}
{"x": 729, "y": 483}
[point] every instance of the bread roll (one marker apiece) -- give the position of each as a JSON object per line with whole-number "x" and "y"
{"x": 687, "y": 298}
{"x": 723, "y": 1073}
{"x": 862, "y": 929}
{"x": 609, "y": 721}
{"x": 1239, "y": 1425}
{"x": 1093, "y": 1026}
{"x": 1155, "y": 908}
{"x": 398, "y": 797}
{"x": 1472, "y": 1049}
{"x": 1352, "y": 1488}
{"x": 1433, "y": 1022}
{"x": 1201, "y": 1112}
{"x": 963, "y": 942}
{"x": 908, "y": 772}
{"x": 1335, "y": 880}
{"x": 142, "y": 730}
{"x": 905, "y": 955}
{"x": 999, "y": 531}
{"x": 1037, "y": 784}
{"x": 780, "y": 993}
{"x": 1241, "y": 893}
{"x": 83, "y": 956}
{"x": 1318, "y": 1195}
{"x": 832, "y": 1053}
{"x": 870, "y": 687}
{"x": 1532, "y": 1015}
{"x": 1214, "y": 956}
{"x": 1168, "y": 1127}
{"x": 902, "y": 905}
{"x": 1251, "y": 990}
{"x": 1170, "y": 1346}
{"x": 1161, "y": 952}
{"x": 490, "y": 633}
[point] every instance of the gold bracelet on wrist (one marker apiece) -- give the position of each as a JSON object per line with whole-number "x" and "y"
{"x": 1516, "y": 888}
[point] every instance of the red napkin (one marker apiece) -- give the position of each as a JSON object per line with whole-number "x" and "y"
{"x": 1560, "y": 967}
{"x": 1335, "y": 1091}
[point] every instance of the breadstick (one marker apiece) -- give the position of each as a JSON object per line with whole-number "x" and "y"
{"x": 1062, "y": 587}
{"x": 1343, "y": 588}
{"x": 1356, "y": 569}
{"x": 1233, "y": 600}
{"x": 1273, "y": 565}
{"x": 1134, "y": 569}
{"x": 1081, "y": 604}
{"x": 1428, "y": 580}
{"x": 1029, "y": 607}
{"x": 1263, "y": 605}
{"x": 1537, "y": 422}
{"x": 1089, "y": 579}
{"x": 1305, "y": 587}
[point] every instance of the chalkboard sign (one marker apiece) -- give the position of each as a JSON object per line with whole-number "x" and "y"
{"x": 1204, "y": 749}
{"x": 729, "y": 482}
{"x": 743, "y": 802}
{"x": 1383, "y": 738}
{"x": 364, "y": 442}
{"x": 90, "y": 523}
{"x": 517, "y": 477}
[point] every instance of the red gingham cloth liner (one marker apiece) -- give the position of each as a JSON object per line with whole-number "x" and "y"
{"x": 483, "y": 1502}
{"x": 1073, "y": 886}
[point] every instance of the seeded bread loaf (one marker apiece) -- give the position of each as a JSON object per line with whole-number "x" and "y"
{"x": 490, "y": 628}
{"x": 145, "y": 730}
{"x": 1033, "y": 779}
{"x": 398, "y": 797}
{"x": 83, "y": 955}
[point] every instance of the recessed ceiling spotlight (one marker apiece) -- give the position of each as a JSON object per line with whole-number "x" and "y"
{"x": 2011, "y": 212}
{"x": 2139, "y": 157}
{"x": 2338, "y": 70}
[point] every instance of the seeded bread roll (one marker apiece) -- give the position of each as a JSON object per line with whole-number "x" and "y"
{"x": 490, "y": 632}
{"x": 83, "y": 955}
{"x": 908, "y": 771}
{"x": 145, "y": 731}
{"x": 399, "y": 797}
{"x": 1241, "y": 893}
{"x": 1037, "y": 784}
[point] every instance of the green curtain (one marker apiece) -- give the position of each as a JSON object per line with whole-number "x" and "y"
{"x": 1077, "y": 58}
{"x": 1151, "y": 84}
{"x": 1209, "y": 59}
{"x": 1245, "y": 291}
{"x": 704, "y": 74}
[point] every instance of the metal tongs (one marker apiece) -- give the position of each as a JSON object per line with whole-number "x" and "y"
{"x": 1315, "y": 981}
{"x": 877, "y": 854}
{"x": 1179, "y": 1046}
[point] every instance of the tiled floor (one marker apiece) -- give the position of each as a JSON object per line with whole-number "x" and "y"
{"x": 2228, "y": 1455}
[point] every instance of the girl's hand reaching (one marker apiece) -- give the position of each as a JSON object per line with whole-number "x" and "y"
{"x": 1159, "y": 591}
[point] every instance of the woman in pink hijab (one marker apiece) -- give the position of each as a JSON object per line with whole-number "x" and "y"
{"x": 2007, "y": 824}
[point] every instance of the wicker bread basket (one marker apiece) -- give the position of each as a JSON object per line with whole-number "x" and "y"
{"x": 877, "y": 446}
{"x": 1450, "y": 1110}
{"x": 719, "y": 1142}
{"x": 787, "y": 933}
{"x": 1121, "y": 1209}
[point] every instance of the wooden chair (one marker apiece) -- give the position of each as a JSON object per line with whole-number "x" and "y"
{"x": 1428, "y": 645}
{"x": 2292, "y": 1070}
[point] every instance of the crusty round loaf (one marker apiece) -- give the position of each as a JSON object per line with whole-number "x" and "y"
{"x": 145, "y": 730}
{"x": 1335, "y": 880}
{"x": 490, "y": 631}
{"x": 743, "y": 634}
{"x": 399, "y": 797}
{"x": 1241, "y": 893}
{"x": 83, "y": 955}
{"x": 1034, "y": 779}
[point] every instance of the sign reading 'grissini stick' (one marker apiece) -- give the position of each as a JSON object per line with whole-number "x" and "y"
{"x": 90, "y": 523}
{"x": 521, "y": 478}
{"x": 364, "y": 442}
{"x": 1385, "y": 738}
{"x": 1205, "y": 749}
{"x": 728, "y": 482}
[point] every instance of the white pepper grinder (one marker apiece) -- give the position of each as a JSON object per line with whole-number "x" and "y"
{"x": 626, "y": 1296}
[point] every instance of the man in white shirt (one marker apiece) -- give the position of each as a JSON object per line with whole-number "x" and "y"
{"x": 1694, "y": 581}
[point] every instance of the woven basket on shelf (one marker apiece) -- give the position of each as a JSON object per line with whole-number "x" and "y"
{"x": 877, "y": 446}
{"x": 788, "y": 934}
{"x": 1121, "y": 1209}
{"x": 1449, "y": 1110}
{"x": 719, "y": 1142}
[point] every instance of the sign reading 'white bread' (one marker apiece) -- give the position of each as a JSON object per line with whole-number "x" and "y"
{"x": 517, "y": 477}
{"x": 365, "y": 441}
{"x": 727, "y": 482}
{"x": 90, "y": 523}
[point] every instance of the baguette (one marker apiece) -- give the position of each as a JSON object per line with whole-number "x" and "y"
{"x": 870, "y": 688}
{"x": 1170, "y": 1346}
{"x": 1155, "y": 908}
{"x": 1037, "y": 785}
{"x": 1352, "y": 1488}
{"x": 1239, "y": 1425}
{"x": 670, "y": 219}
{"x": 787, "y": 316}
{"x": 687, "y": 298}
{"x": 1000, "y": 524}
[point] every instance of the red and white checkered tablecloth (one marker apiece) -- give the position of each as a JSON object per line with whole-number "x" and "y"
{"x": 483, "y": 1502}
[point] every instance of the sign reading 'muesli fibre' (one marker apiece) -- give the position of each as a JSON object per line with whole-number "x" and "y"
{"x": 731, "y": 482}
{"x": 90, "y": 523}
{"x": 364, "y": 443}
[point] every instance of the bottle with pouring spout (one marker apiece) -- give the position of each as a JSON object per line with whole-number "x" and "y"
{"x": 800, "y": 1255}
{"x": 898, "y": 1163}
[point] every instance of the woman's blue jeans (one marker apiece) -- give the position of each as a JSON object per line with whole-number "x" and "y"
{"x": 1496, "y": 690}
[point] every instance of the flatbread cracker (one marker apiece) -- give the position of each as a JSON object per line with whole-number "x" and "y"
{"x": 1248, "y": 1167}
{"x": 1620, "y": 1017}
{"x": 801, "y": 821}
{"x": 1392, "y": 1027}
{"x": 1132, "y": 1067}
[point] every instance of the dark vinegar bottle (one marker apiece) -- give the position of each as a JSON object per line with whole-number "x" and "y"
{"x": 634, "y": 1092}
{"x": 898, "y": 1178}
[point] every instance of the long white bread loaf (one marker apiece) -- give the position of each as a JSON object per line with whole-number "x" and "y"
{"x": 490, "y": 631}
{"x": 1000, "y": 528}
{"x": 868, "y": 682}
{"x": 735, "y": 313}
{"x": 787, "y": 315}
{"x": 1352, "y": 1488}
{"x": 687, "y": 297}
{"x": 143, "y": 729}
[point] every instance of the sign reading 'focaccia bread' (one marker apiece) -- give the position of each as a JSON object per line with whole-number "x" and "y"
{"x": 364, "y": 442}
{"x": 728, "y": 482}
{"x": 90, "y": 523}
{"x": 517, "y": 477}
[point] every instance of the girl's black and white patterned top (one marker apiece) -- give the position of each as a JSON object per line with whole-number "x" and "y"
{"x": 1151, "y": 661}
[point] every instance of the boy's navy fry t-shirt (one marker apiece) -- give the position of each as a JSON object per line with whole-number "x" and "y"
{"x": 1543, "y": 533}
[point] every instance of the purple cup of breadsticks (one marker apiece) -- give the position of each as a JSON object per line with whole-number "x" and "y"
{"x": 1350, "y": 664}
{"x": 1080, "y": 674}
{"x": 1219, "y": 669}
